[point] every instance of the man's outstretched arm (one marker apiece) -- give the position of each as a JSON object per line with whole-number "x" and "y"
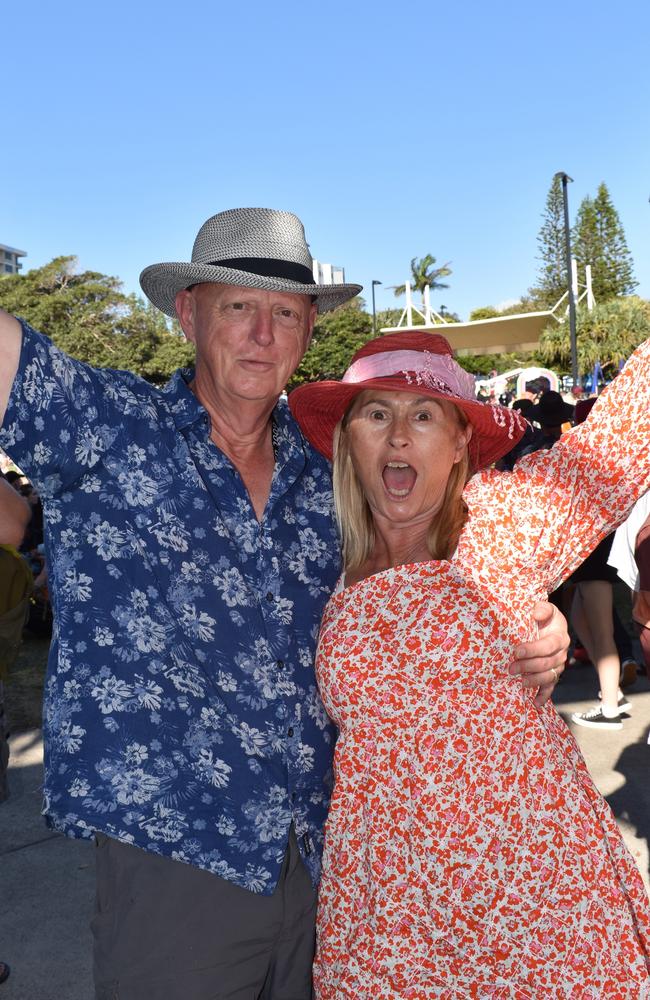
{"x": 11, "y": 336}
{"x": 541, "y": 661}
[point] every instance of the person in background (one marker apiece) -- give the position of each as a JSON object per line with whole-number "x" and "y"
{"x": 554, "y": 416}
{"x": 14, "y": 518}
{"x": 630, "y": 557}
{"x": 593, "y": 619}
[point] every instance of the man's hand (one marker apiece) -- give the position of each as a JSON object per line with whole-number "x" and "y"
{"x": 541, "y": 661}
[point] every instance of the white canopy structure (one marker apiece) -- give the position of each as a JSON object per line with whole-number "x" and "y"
{"x": 497, "y": 335}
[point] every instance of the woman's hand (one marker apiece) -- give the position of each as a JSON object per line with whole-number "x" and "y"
{"x": 541, "y": 661}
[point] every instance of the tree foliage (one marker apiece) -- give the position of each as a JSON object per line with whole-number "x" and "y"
{"x": 523, "y": 305}
{"x": 552, "y": 275}
{"x": 337, "y": 335}
{"x": 599, "y": 240}
{"x": 608, "y": 334}
{"x": 88, "y": 315}
{"x": 425, "y": 275}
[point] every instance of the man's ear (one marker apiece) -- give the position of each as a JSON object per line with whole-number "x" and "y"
{"x": 184, "y": 303}
{"x": 313, "y": 313}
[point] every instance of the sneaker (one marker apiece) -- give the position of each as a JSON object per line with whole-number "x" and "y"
{"x": 623, "y": 704}
{"x": 629, "y": 670}
{"x": 595, "y": 719}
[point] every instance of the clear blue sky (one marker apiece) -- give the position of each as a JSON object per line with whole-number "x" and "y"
{"x": 392, "y": 130}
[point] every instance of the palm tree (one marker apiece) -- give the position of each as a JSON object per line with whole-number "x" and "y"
{"x": 424, "y": 273}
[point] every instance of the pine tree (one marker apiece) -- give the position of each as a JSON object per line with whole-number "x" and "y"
{"x": 599, "y": 240}
{"x": 618, "y": 259}
{"x": 552, "y": 276}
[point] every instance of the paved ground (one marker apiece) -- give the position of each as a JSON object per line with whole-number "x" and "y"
{"x": 47, "y": 882}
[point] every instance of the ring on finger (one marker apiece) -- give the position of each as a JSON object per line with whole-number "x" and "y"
{"x": 555, "y": 674}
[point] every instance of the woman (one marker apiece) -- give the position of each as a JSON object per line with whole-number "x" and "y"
{"x": 468, "y": 853}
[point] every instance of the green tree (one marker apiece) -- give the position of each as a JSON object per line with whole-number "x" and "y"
{"x": 552, "y": 276}
{"x": 424, "y": 274}
{"x": 88, "y": 315}
{"x": 599, "y": 240}
{"x": 524, "y": 305}
{"x": 608, "y": 334}
{"x": 337, "y": 335}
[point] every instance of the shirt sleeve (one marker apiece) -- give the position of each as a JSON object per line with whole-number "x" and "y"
{"x": 63, "y": 415}
{"x": 550, "y": 512}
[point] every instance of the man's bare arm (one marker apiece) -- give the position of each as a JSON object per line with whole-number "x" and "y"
{"x": 11, "y": 336}
{"x": 541, "y": 661}
{"x": 15, "y": 514}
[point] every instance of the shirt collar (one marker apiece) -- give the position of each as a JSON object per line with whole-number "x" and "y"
{"x": 183, "y": 404}
{"x": 186, "y": 410}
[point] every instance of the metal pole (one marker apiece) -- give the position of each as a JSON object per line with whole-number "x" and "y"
{"x": 569, "y": 272}
{"x": 374, "y": 315}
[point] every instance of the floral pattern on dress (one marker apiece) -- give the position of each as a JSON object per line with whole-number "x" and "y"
{"x": 181, "y": 710}
{"x": 468, "y": 853}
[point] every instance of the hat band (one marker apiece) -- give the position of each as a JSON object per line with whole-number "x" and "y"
{"x": 434, "y": 371}
{"x": 268, "y": 267}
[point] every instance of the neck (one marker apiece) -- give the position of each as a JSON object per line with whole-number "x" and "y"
{"x": 239, "y": 427}
{"x": 398, "y": 545}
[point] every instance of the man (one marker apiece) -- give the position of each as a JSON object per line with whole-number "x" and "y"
{"x": 192, "y": 547}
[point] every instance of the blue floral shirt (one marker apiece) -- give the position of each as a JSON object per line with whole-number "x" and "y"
{"x": 181, "y": 710}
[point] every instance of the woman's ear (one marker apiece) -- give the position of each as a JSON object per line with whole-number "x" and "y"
{"x": 464, "y": 438}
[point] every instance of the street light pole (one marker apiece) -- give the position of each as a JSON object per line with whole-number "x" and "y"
{"x": 374, "y": 315}
{"x": 569, "y": 270}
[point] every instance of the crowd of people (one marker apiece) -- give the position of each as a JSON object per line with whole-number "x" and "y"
{"x": 262, "y": 678}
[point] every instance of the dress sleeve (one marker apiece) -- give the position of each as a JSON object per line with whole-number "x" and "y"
{"x": 551, "y": 511}
{"x": 63, "y": 416}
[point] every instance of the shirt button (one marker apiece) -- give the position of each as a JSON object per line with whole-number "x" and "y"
{"x": 279, "y": 664}
{"x": 290, "y": 731}
{"x": 269, "y": 596}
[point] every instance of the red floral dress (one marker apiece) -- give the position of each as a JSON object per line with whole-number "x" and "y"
{"x": 468, "y": 853}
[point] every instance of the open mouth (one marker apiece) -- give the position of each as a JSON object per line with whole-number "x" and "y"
{"x": 399, "y": 479}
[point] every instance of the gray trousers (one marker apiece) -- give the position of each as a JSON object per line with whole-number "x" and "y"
{"x": 164, "y": 930}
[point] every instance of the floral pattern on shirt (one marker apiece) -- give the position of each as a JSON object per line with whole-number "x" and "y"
{"x": 181, "y": 710}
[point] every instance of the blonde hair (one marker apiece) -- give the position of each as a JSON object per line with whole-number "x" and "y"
{"x": 355, "y": 518}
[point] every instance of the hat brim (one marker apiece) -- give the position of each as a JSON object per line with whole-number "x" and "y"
{"x": 162, "y": 282}
{"x": 318, "y": 407}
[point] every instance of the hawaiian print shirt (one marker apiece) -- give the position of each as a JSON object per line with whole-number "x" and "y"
{"x": 181, "y": 710}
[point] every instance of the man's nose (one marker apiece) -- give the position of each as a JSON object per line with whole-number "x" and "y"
{"x": 263, "y": 327}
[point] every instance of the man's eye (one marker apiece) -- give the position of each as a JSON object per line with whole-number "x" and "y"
{"x": 423, "y": 415}
{"x": 377, "y": 415}
{"x": 288, "y": 315}
{"x": 237, "y": 305}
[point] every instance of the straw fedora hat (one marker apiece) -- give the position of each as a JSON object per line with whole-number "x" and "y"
{"x": 251, "y": 247}
{"x": 422, "y": 363}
